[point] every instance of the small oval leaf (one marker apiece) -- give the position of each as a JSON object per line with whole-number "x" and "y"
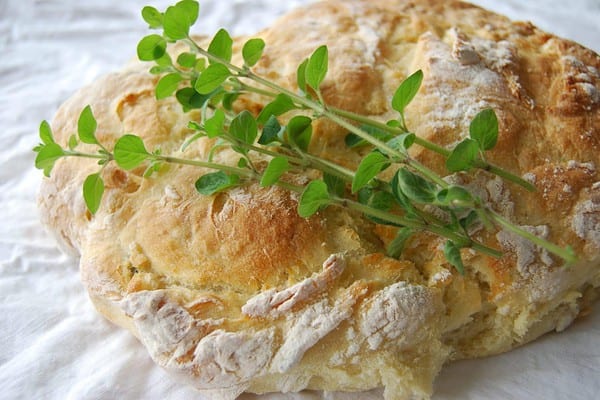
{"x": 314, "y": 197}
{"x": 369, "y": 167}
{"x": 211, "y": 78}
{"x": 215, "y": 182}
{"x": 276, "y": 167}
{"x": 252, "y": 51}
{"x": 151, "y": 47}
{"x": 221, "y": 45}
{"x": 484, "y": 129}
{"x": 452, "y": 253}
{"x": 177, "y": 22}
{"x": 244, "y": 128}
{"x": 463, "y": 156}
{"x": 316, "y": 68}
{"x": 406, "y": 92}
{"x": 187, "y": 60}
{"x": 415, "y": 187}
{"x": 214, "y": 125}
{"x": 46, "y": 133}
{"x": 167, "y": 85}
{"x": 130, "y": 152}
{"x": 47, "y": 156}
{"x": 299, "y": 131}
{"x": 93, "y": 189}
{"x": 271, "y": 131}
{"x": 152, "y": 16}
{"x": 280, "y": 105}
{"x": 86, "y": 126}
{"x": 301, "y": 76}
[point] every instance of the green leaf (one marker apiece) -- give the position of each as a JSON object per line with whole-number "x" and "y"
{"x": 396, "y": 246}
{"x": 280, "y": 105}
{"x": 352, "y": 140}
{"x": 167, "y": 85}
{"x": 152, "y": 168}
{"x": 164, "y": 61}
{"x": 401, "y": 198}
{"x": 211, "y": 78}
{"x": 187, "y": 60}
{"x": 406, "y": 92}
{"x": 378, "y": 200}
{"x": 190, "y": 99}
{"x": 455, "y": 196}
{"x": 415, "y": 187}
{"x": 452, "y": 253}
{"x": 469, "y": 220}
{"x": 86, "y": 126}
{"x": 46, "y": 133}
{"x": 402, "y": 142}
{"x": 73, "y": 142}
{"x": 47, "y": 156}
{"x": 316, "y": 68}
{"x": 244, "y": 128}
{"x": 301, "y": 76}
{"x": 463, "y": 156}
{"x": 221, "y": 45}
{"x": 484, "y": 129}
{"x": 215, "y": 182}
{"x": 271, "y": 132}
{"x": 152, "y": 16}
{"x": 158, "y": 70}
{"x": 93, "y": 189}
{"x": 214, "y": 125}
{"x": 191, "y": 8}
{"x": 130, "y": 152}
{"x": 228, "y": 99}
{"x": 242, "y": 162}
{"x": 314, "y": 197}
{"x": 299, "y": 131}
{"x": 335, "y": 184}
{"x": 276, "y": 167}
{"x": 252, "y": 51}
{"x": 369, "y": 167}
{"x": 151, "y": 47}
{"x": 176, "y": 22}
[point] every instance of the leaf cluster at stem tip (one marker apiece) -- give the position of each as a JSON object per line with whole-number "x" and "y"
{"x": 276, "y": 143}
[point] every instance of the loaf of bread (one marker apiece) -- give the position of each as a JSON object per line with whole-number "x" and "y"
{"x": 235, "y": 292}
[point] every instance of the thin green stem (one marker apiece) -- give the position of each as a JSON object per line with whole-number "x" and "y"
{"x": 108, "y": 156}
{"x": 402, "y": 158}
{"x": 206, "y": 164}
{"x": 566, "y": 254}
{"x": 460, "y": 240}
{"x": 481, "y": 164}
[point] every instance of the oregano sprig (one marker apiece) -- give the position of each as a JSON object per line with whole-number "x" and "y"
{"x": 269, "y": 149}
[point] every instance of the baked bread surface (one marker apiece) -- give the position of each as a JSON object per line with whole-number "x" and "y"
{"x": 235, "y": 292}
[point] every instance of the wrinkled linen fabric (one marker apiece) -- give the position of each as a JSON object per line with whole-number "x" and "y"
{"x": 53, "y": 344}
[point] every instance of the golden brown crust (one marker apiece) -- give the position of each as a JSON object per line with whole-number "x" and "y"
{"x": 236, "y": 292}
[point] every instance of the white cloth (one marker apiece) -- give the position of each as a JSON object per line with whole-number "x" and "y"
{"x": 53, "y": 345}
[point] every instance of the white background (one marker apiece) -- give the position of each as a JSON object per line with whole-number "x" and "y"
{"x": 53, "y": 345}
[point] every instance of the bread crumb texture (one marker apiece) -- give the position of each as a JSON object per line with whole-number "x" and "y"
{"x": 235, "y": 292}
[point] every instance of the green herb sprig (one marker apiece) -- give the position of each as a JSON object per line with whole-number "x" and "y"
{"x": 206, "y": 79}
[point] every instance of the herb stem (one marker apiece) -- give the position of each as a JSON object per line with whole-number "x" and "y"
{"x": 481, "y": 164}
{"x": 206, "y": 164}
{"x": 566, "y": 254}
{"x": 460, "y": 240}
{"x": 324, "y": 111}
{"x": 107, "y": 156}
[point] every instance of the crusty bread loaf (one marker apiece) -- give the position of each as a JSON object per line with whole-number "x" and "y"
{"x": 235, "y": 292}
